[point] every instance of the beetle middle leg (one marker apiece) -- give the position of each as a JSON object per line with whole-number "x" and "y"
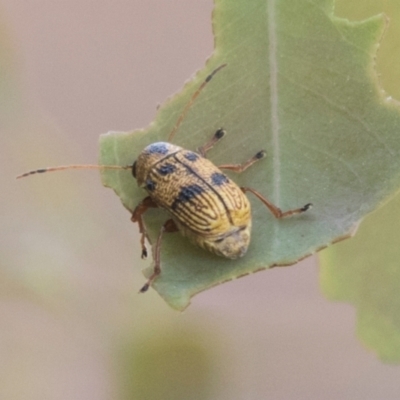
{"x": 168, "y": 227}
{"x": 137, "y": 216}
{"x": 239, "y": 168}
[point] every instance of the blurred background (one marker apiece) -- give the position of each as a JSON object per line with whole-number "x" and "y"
{"x": 72, "y": 325}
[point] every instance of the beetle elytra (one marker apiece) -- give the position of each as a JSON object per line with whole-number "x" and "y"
{"x": 205, "y": 205}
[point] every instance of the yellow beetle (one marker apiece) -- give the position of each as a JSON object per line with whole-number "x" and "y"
{"x": 205, "y": 204}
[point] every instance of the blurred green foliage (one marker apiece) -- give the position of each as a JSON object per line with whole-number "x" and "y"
{"x": 170, "y": 365}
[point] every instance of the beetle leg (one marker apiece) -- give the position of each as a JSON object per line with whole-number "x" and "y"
{"x": 242, "y": 167}
{"x": 276, "y": 211}
{"x": 218, "y": 135}
{"x": 137, "y": 214}
{"x": 168, "y": 227}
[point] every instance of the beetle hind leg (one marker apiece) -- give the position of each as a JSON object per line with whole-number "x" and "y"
{"x": 276, "y": 211}
{"x": 168, "y": 227}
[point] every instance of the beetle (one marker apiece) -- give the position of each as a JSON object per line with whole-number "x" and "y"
{"x": 205, "y": 205}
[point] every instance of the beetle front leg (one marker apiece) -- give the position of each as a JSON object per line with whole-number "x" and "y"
{"x": 168, "y": 227}
{"x": 276, "y": 211}
{"x": 137, "y": 216}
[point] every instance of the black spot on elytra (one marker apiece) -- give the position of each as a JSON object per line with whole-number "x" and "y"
{"x": 158, "y": 148}
{"x": 219, "y": 179}
{"x": 191, "y": 156}
{"x": 166, "y": 169}
{"x": 150, "y": 185}
{"x": 186, "y": 194}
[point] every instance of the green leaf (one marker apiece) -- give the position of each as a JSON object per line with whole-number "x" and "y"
{"x": 301, "y": 84}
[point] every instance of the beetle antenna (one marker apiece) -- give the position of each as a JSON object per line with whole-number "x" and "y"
{"x": 76, "y": 166}
{"x": 191, "y": 101}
